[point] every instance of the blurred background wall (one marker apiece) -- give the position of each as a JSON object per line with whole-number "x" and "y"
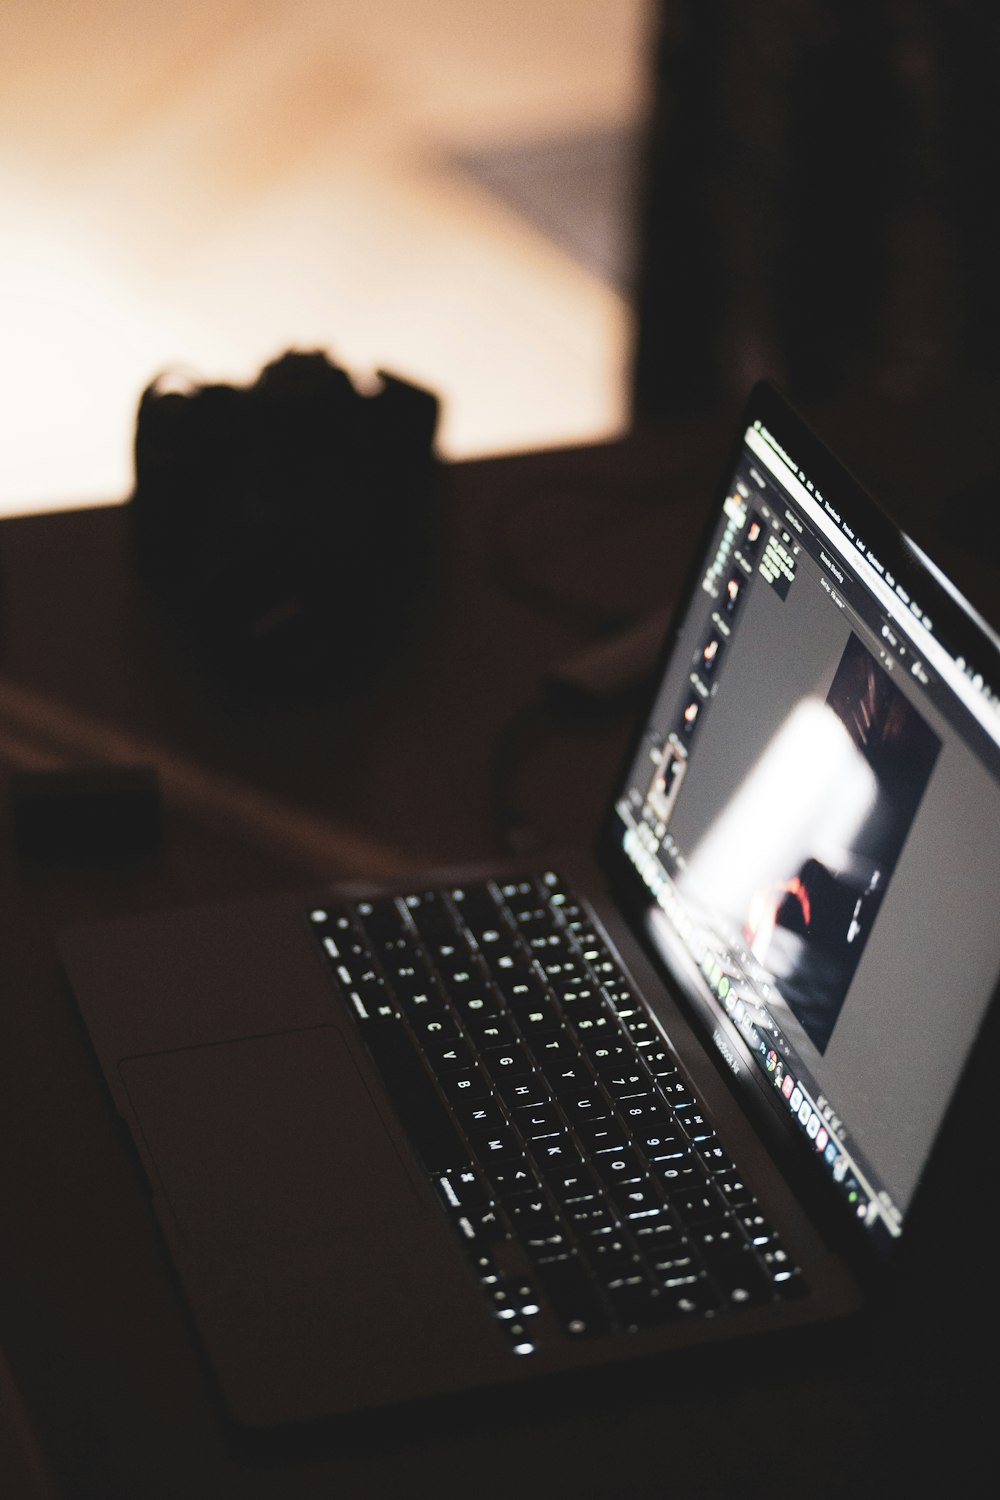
{"x": 565, "y": 216}
{"x": 439, "y": 187}
{"x": 821, "y": 200}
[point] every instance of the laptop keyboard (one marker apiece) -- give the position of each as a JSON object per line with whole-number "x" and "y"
{"x": 571, "y": 1155}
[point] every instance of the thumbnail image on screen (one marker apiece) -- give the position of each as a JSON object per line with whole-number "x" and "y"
{"x": 796, "y": 865}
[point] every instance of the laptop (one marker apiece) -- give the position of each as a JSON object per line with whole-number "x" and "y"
{"x": 678, "y": 1089}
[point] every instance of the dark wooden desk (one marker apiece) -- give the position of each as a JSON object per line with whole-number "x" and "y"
{"x": 541, "y": 552}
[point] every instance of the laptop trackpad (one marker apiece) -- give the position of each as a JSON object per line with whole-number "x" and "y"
{"x": 271, "y": 1137}
{"x": 287, "y": 1206}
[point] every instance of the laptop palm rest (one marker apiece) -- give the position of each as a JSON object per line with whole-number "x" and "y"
{"x": 290, "y": 1212}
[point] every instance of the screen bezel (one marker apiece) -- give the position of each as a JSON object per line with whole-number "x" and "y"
{"x": 955, "y": 621}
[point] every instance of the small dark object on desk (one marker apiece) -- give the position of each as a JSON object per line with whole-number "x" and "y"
{"x": 98, "y": 813}
{"x": 287, "y": 525}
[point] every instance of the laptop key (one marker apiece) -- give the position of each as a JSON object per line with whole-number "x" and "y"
{"x": 734, "y": 1189}
{"x": 610, "y": 1053}
{"x": 673, "y": 1265}
{"x": 538, "y": 1122}
{"x": 657, "y": 1058}
{"x": 756, "y": 1226}
{"x": 610, "y": 1257}
{"x": 521, "y": 1090}
{"x": 405, "y": 969}
{"x": 635, "y": 1301}
{"x": 697, "y": 1129}
{"x": 661, "y": 1145}
{"x": 677, "y": 1175}
{"x": 513, "y": 1300}
{"x": 570, "y": 1181}
{"x": 511, "y": 1176}
{"x": 570, "y": 1292}
{"x": 382, "y": 920}
{"x": 437, "y": 1026}
{"x": 462, "y": 1189}
{"x": 423, "y": 1002}
{"x": 585, "y": 1104}
{"x": 699, "y": 1204}
{"x": 644, "y": 1111}
{"x": 676, "y": 1091}
{"x": 532, "y": 1218}
{"x": 498, "y": 1145}
{"x": 506, "y": 1062}
{"x": 554, "y": 1154}
{"x": 480, "y": 1227}
{"x": 490, "y": 1031}
{"x": 431, "y": 918}
{"x": 783, "y": 1274}
{"x": 740, "y": 1279}
{"x": 477, "y": 910}
{"x": 554, "y": 1051}
{"x": 569, "y": 1078}
{"x": 590, "y": 1216}
{"x": 480, "y": 1116}
{"x": 451, "y": 1056}
{"x": 599, "y": 1136}
{"x": 625, "y": 1084}
{"x": 537, "y": 1020}
{"x": 717, "y": 1239}
{"x": 620, "y": 1166}
{"x": 691, "y": 1299}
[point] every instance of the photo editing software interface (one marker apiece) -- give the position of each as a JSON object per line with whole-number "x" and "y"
{"x": 814, "y": 811}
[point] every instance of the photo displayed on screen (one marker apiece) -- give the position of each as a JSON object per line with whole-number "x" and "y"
{"x": 798, "y": 861}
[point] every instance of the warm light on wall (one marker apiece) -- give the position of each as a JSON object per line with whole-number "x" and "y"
{"x": 203, "y": 187}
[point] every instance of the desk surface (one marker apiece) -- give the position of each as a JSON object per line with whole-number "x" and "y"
{"x": 104, "y": 1377}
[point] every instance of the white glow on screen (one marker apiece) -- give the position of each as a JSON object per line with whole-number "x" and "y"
{"x": 806, "y": 797}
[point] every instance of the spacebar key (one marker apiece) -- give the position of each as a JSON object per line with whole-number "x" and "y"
{"x": 413, "y": 1096}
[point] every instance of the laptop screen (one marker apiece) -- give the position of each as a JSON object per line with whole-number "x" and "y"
{"x": 813, "y": 813}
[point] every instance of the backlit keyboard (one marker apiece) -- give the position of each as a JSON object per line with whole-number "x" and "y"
{"x": 570, "y": 1153}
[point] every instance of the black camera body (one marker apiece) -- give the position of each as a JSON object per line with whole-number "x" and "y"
{"x": 287, "y": 526}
